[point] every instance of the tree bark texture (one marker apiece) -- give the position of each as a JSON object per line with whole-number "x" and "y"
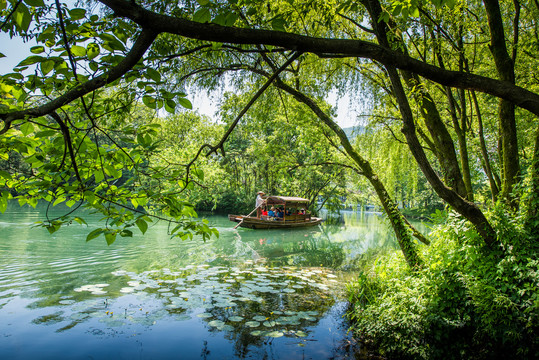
{"x": 485, "y": 159}
{"x": 506, "y": 110}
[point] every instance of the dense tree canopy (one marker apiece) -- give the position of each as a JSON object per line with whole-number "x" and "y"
{"x": 73, "y": 126}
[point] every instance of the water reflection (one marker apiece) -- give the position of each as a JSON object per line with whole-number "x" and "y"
{"x": 248, "y": 294}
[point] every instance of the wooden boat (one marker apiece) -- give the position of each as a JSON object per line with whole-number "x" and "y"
{"x": 288, "y": 221}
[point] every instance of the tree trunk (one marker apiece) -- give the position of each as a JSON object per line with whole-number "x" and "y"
{"x": 506, "y": 110}
{"x": 445, "y": 149}
{"x": 485, "y": 158}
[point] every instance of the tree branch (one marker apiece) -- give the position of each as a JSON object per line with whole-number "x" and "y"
{"x": 353, "y": 48}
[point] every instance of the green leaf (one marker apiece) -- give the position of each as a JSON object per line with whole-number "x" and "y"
{"x": 170, "y": 106}
{"x": 80, "y": 220}
{"x": 110, "y": 236}
{"x": 77, "y": 14}
{"x": 142, "y": 225}
{"x": 231, "y": 19}
{"x": 78, "y": 50}
{"x": 202, "y": 16}
{"x": 203, "y": 2}
{"x": 46, "y": 66}
{"x": 93, "y": 50}
{"x": 5, "y": 175}
{"x": 27, "y": 128}
{"x": 94, "y": 66}
{"x": 278, "y": 24}
{"x": 185, "y": 103}
{"x": 59, "y": 200}
{"x": 149, "y": 101}
{"x": 37, "y": 49}
{"x": 35, "y": 3}
{"x": 199, "y": 174}
{"x": 30, "y": 60}
{"x": 126, "y": 233}
{"x": 153, "y": 74}
{"x": 94, "y": 234}
{"x": 98, "y": 176}
{"x": 22, "y": 17}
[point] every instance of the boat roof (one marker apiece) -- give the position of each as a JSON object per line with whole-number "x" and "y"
{"x": 285, "y": 199}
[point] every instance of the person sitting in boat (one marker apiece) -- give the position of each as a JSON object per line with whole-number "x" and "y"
{"x": 264, "y": 211}
{"x": 271, "y": 213}
{"x": 280, "y": 213}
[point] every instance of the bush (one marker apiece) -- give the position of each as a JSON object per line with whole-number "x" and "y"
{"x": 467, "y": 302}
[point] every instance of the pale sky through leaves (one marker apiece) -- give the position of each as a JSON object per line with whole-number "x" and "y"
{"x": 15, "y": 50}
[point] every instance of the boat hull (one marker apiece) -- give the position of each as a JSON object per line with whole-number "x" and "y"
{"x": 256, "y": 223}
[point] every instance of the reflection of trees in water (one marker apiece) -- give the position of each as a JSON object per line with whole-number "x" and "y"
{"x": 306, "y": 250}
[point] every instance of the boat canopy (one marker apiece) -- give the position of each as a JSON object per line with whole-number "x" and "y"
{"x": 286, "y": 200}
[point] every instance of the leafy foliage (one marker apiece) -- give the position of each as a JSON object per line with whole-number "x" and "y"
{"x": 469, "y": 302}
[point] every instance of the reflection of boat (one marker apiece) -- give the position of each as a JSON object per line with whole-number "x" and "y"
{"x": 294, "y": 220}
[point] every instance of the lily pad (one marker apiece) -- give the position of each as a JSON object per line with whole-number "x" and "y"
{"x": 259, "y": 318}
{"x": 235, "y": 318}
{"x": 275, "y": 334}
{"x": 216, "y": 323}
{"x": 205, "y": 315}
{"x": 252, "y": 324}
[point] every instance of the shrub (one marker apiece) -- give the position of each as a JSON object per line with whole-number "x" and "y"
{"x": 467, "y": 302}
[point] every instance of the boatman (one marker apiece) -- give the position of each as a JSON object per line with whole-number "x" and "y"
{"x": 260, "y": 200}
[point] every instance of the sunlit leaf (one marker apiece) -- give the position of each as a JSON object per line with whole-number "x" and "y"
{"x": 92, "y": 50}
{"x": 27, "y": 128}
{"x": 185, "y": 103}
{"x": 94, "y": 234}
{"x": 22, "y": 17}
{"x": 110, "y": 236}
{"x": 203, "y": 16}
{"x": 142, "y": 225}
{"x": 37, "y": 49}
{"x": 78, "y": 50}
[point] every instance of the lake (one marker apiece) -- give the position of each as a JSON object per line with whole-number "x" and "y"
{"x": 251, "y": 294}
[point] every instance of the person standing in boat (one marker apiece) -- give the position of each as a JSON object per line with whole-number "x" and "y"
{"x": 260, "y": 200}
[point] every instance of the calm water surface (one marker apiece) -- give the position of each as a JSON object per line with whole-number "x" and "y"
{"x": 253, "y": 294}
